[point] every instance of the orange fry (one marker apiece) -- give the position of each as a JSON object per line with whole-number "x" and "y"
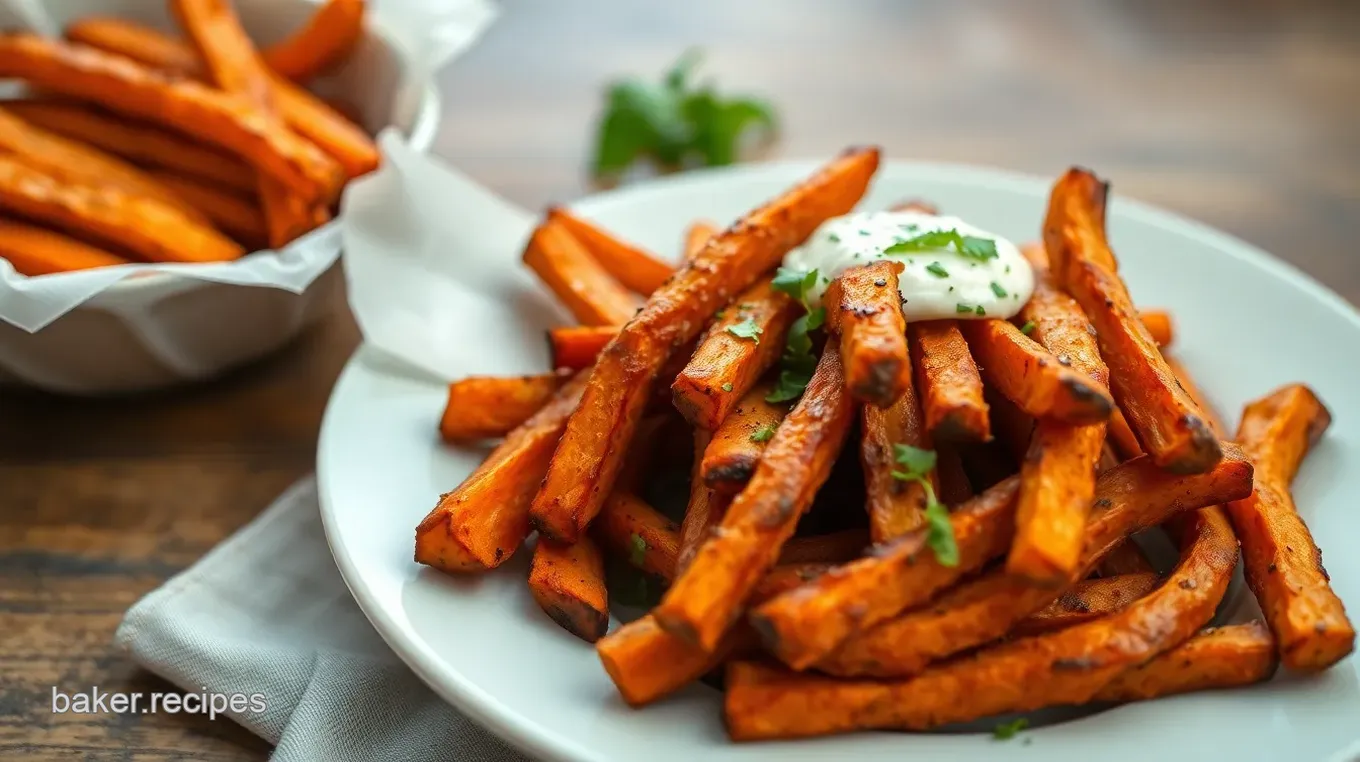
{"x": 567, "y": 581}
{"x": 326, "y": 40}
{"x": 142, "y": 225}
{"x": 34, "y": 251}
{"x": 480, "y": 407}
{"x": 308, "y": 115}
{"x": 1088, "y": 600}
{"x": 1217, "y": 657}
{"x": 737, "y": 443}
{"x": 238, "y": 217}
{"x": 1169, "y": 425}
{"x": 587, "y": 290}
{"x": 1038, "y": 382}
{"x": 125, "y": 86}
{"x": 578, "y": 346}
{"x": 637, "y": 270}
{"x": 948, "y": 382}
{"x": 640, "y": 533}
{"x": 865, "y": 308}
{"x": 1159, "y": 326}
{"x": 236, "y": 68}
{"x": 708, "y": 597}
{"x": 485, "y": 519}
{"x": 745, "y": 340}
{"x": 587, "y": 460}
{"x": 696, "y": 238}
{"x": 895, "y": 506}
{"x": 705, "y": 508}
{"x": 1282, "y": 563}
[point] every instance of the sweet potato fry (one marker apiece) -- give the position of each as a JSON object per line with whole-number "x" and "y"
{"x": 833, "y": 548}
{"x": 705, "y": 508}
{"x": 481, "y": 407}
{"x": 144, "y": 226}
{"x": 1125, "y": 558}
{"x": 578, "y": 346}
{"x": 948, "y": 382}
{"x": 587, "y": 290}
{"x": 1119, "y": 435}
{"x": 236, "y": 68}
{"x": 144, "y": 145}
{"x": 587, "y": 460}
{"x": 1065, "y": 667}
{"x": 482, "y": 522}
{"x": 127, "y": 87}
{"x": 65, "y": 158}
{"x": 231, "y": 213}
{"x": 326, "y": 40}
{"x": 696, "y": 238}
{"x": 1058, "y": 473}
{"x": 1087, "y": 600}
{"x": 865, "y": 308}
{"x": 640, "y": 533}
{"x": 708, "y": 597}
{"x": 637, "y": 270}
{"x": 1282, "y": 563}
{"x": 309, "y": 116}
{"x": 745, "y": 340}
{"x": 1187, "y": 383}
{"x": 736, "y": 445}
{"x": 1216, "y": 657}
{"x": 35, "y": 251}
{"x": 647, "y": 663}
{"x": 895, "y": 507}
{"x": 805, "y": 624}
{"x": 1039, "y": 382}
{"x": 1169, "y": 425}
{"x": 1133, "y": 496}
{"x": 567, "y": 581}
{"x": 1159, "y": 326}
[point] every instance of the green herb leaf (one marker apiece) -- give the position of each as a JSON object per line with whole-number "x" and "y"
{"x": 1028, "y": 327}
{"x": 727, "y": 387}
{"x": 637, "y": 553}
{"x": 915, "y": 460}
{"x": 998, "y": 290}
{"x": 1008, "y": 730}
{"x": 962, "y": 308}
{"x": 795, "y": 283}
{"x": 980, "y": 311}
{"x": 764, "y": 433}
{"x": 937, "y": 269}
{"x": 746, "y": 329}
{"x": 673, "y": 122}
{"x": 792, "y": 382}
{"x": 816, "y": 318}
{"x": 969, "y": 246}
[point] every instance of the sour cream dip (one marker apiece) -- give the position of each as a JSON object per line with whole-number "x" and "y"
{"x": 951, "y": 269}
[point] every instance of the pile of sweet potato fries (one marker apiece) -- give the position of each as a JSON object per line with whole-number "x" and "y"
{"x": 984, "y": 564}
{"x": 135, "y": 145}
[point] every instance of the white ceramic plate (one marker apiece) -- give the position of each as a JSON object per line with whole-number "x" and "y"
{"x": 1246, "y": 324}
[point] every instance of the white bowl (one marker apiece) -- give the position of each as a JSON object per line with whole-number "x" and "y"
{"x": 156, "y": 330}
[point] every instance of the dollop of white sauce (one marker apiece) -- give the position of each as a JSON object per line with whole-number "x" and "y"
{"x": 936, "y": 283}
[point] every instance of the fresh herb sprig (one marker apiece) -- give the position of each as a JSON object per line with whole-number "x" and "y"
{"x": 972, "y": 247}
{"x": 675, "y": 122}
{"x": 798, "y": 363}
{"x": 1008, "y": 730}
{"x": 763, "y": 434}
{"x": 915, "y": 465}
{"x": 746, "y": 329}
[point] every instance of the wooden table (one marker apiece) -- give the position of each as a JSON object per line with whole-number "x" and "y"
{"x": 1241, "y": 114}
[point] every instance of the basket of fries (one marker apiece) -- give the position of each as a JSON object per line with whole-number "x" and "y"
{"x": 170, "y": 176}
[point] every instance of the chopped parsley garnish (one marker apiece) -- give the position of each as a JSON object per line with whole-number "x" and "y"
{"x": 746, "y": 329}
{"x": 980, "y": 311}
{"x": 1027, "y": 328}
{"x": 637, "y": 553}
{"x": 915, "y": 465}
{"x": 962, "y": 309}
{"x": 764, "y": 433}
{"x": 1008, "y": 730}
{"x": 998, "y": 290}
{"x": 798, "y": 363}
{"x": 727, "y": 387}
{"x": 937, "y": 269}
{"x": 973, "y": 247}
{"x": 833, "y": 238}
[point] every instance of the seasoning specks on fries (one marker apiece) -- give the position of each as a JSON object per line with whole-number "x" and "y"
{"x": 1011, "y": 591}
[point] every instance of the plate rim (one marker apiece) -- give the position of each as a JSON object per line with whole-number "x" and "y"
{"x": 512, "y": 726}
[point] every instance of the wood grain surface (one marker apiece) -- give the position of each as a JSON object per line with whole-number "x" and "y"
{"x": 1241, "y": 114}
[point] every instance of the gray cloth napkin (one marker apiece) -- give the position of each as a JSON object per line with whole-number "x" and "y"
{"x": 266, "y": 612}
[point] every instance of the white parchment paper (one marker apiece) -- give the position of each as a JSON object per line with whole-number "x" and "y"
{"x": 429, "y": 32}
